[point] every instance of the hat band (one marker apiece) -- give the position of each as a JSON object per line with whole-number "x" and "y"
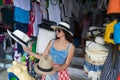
{"x": 19, "y": 39}
{"x": 64, "y": 27}
{"x": 44, "y": 70}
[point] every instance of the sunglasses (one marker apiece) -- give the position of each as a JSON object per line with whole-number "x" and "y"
{"x": 58, "y": 30}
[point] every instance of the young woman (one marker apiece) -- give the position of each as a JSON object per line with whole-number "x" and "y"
{"x": 61, "y": 50}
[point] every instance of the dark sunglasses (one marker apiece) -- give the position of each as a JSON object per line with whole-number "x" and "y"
{"x": 59, "y": 30}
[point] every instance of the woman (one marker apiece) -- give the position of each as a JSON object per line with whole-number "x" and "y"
{"x": 61, "y": 50}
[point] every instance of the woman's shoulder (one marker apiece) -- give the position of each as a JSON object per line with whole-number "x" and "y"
{"x": 72, "y": 46}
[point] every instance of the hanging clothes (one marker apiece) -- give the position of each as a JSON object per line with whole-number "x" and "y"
{"x": 7, "y": 1}
{"x": 75, "y": 10}
{"x": 32, "y": 20}
{"x": 23, "y": 4}
{"x": 20, "y": 15}
{"x": 38, "y": 18}
{"x": 54, "y": 11}
{"x": 102, "y": 4}
{"x": 43, "y": 7}
{"x": 7, "y": 15}
{"x": 66, "y": 10}
{"x": 35, "y": 19}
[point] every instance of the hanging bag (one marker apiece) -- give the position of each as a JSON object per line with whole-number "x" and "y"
{"x": 110, "y": 70}
{"x": 108, "y": 37}
{"x": 113, "y": 6}
{"x": 117, "y": 33}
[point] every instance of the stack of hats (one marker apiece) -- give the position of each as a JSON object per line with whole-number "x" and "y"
{"x": 96, "y": 54}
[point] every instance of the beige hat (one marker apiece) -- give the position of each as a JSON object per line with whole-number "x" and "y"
{"x": 45, "y": 66}
{"x": 93, "y": 46}
{"x": 19, "y": 37}
{"x": 98, "y": 61}
{"x": 95, "y": 52}
{"x": 64, "y": 26}
{"x": 93, "y": 30}
{"x": 99, "y": 40}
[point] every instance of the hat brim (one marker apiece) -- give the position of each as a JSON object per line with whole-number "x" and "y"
{"x": 43, "y": 73}
{"x": 55, "y": 27}
{"x": 95, "y": 47}
{"x": 10, "y": 33}
{"x": 94, "y": 62}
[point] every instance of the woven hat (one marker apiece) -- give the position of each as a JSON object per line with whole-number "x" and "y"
{"x": 99, "y": 40}
{"x": 45, "y": 66}
{"x": 93, "y": 46}
{"x": 95, "y": 53}
{"x": 95, "y": 60}
{"x": 19, "y": 37}
{"x": 64, "y": 26}
{"x": 93, "y": 30}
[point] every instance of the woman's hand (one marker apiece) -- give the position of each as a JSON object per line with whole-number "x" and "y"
{"x": 26, "y": 49}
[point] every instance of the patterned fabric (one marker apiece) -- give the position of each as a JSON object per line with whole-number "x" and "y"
{"x": 92, "y": 67}
{"x": 59, "y": 56}
{"x": 110, "y": 71}
{"x": 62, "y": 75}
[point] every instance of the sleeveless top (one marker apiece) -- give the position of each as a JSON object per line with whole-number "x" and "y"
{"x": 59, "y": 56}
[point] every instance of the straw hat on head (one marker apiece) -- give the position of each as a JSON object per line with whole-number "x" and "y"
{"x": 19, "y": 37}
{"x": 45, "y": 66}
{"x": 64, "y": 26}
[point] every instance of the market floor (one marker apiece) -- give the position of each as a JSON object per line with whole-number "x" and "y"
{"x": 4, "y": 76}
{"x": 75, "y": 70}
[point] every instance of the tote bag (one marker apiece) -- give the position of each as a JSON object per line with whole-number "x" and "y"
{"x": 110, "y": 71}
{"x": 108, "y": 36}
{"x": 117, "y": 33}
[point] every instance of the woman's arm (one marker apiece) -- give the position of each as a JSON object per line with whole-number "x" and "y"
{"x": 68, "y": 60}
{"x": 26, "y": 49}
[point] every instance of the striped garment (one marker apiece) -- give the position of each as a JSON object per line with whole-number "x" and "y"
{"x": 110, "y": 71}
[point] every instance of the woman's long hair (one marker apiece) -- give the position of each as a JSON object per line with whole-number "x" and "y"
{"x": 67, "y": 36}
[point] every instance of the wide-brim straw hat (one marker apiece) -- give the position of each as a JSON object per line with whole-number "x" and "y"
{"x": 93, "y": 46}
{"x": 99, "y": 40}
{"x": 98, "y": 61}
{"x": 64, "y": 26}
{"x": 45, "y": 66}
{"x": 19, "y": 37}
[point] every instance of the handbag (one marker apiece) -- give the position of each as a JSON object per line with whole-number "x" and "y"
{"x": 113, "y": 6}
{"x": 110, "y": 70}
{"x": 108, "y": 37}
{"x": 117, "y": 33}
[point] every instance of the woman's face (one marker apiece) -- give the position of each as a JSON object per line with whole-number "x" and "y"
{"x": 59, "y": 32}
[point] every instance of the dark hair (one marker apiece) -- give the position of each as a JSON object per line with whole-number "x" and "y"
{"x": 68, "y": 36}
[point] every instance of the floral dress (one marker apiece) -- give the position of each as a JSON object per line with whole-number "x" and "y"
{"x": 59, "y": 57}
